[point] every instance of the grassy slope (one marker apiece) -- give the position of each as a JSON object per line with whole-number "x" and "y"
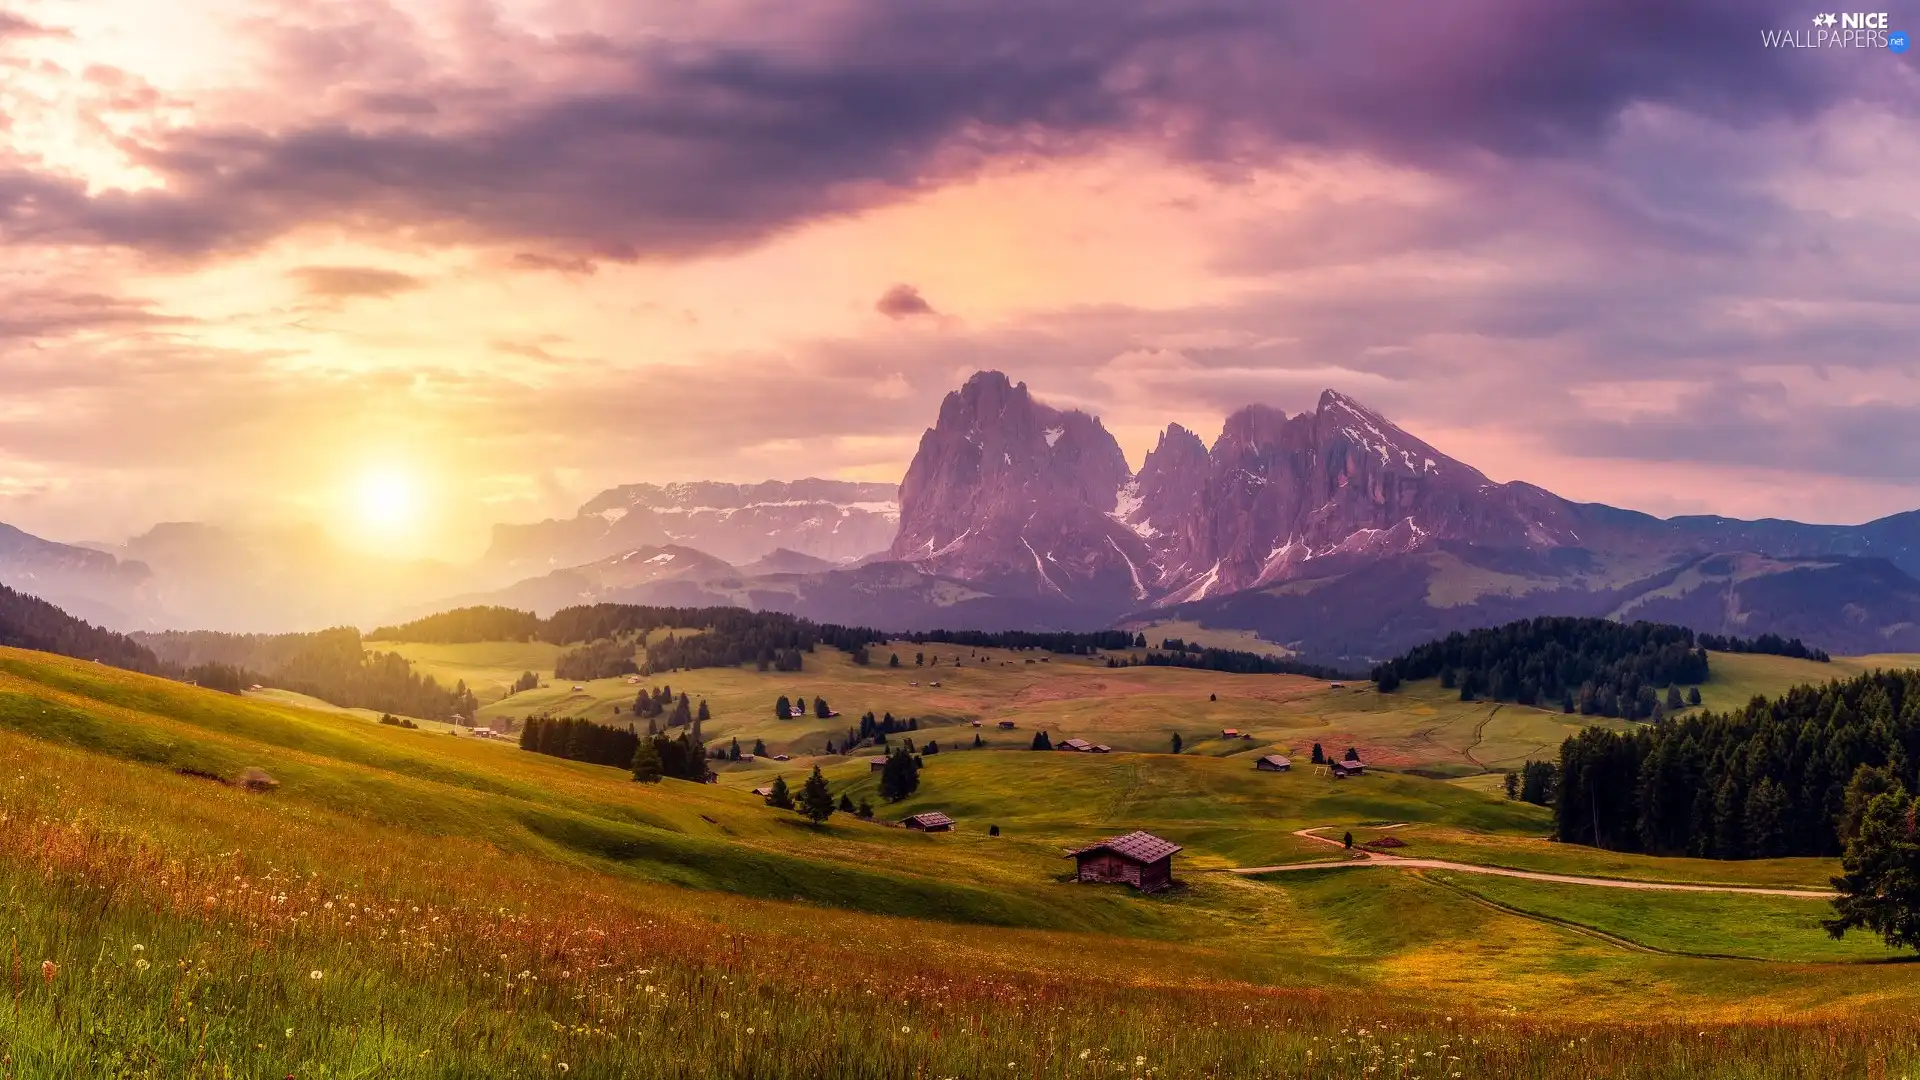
{"x": 1129, "y": 708}
{"x": 108, "y": 846}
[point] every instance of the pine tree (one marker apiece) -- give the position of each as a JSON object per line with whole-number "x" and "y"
{"x": 1347, "y": 841}
{"x": 894, "y": 660}
{"x": 781, "y": 798}
{"x": 1512, "y": 785}
{"x": 815, "y": 800}
{"x": 733, "y": 751}
{"x": 820, "y": 710}
{"x": 993, "y": 830}
{"x": 1041, "y": 742}
{"x": 783, "y": 709}
{"x": 1319, "y": 755}
{"x": 1352, "y": 754}
{"x": 759, "y": 748}
{"x": 646, "y": 762}
{"x": 846, "y": 803}
{"x": 919, "y": 659}
{"x": 1880, "y": 886}
{"x": 703, "y": 713}
{"x": 865, "y": 811}
{"x": 978, "y": 742}
{"x": 682, "y": 713}
{"x": 1693, "y": 695}
{"x": 1176, "y": 742}
{"x": 1674, "y": 702}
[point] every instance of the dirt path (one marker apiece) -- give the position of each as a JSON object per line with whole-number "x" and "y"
{"x": 1375, "y": 858}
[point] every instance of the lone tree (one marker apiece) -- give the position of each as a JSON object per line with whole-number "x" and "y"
{"x": 1348, "y": 841}
{"x": 1880, "y": 888}
{"x": 1176, "y": 742}
{"x": 646, "y": 762}
{"x": 815, "y": 800}
{"x": 783, "y": 709}
{"x": 1513, "y": 785}
{"x": 1041, "y": 742}
{"x": 901, "y": 776}
{"x": 893, "y": 660}
{"x": 780, "y": 798}
{"x": 1319, "y": 755}
{"x": 759, "y": 748}
{"x": 846, "y": 803}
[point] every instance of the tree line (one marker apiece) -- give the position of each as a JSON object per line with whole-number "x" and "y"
{"x": 1770, "y": 644}
{"x": 28, "y": 622}
{"x": 331, "y": 665}
{"x": 1231, "y": 661}
{"x": 649, "y": 757}
{"x": 1785, "y": 776}
{"x": 1596, "y": 667}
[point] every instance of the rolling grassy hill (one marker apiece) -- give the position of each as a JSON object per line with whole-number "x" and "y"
{"x": 415, "y": 903}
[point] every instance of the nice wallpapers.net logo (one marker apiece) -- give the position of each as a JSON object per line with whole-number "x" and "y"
{"x": 1842, "y": 30}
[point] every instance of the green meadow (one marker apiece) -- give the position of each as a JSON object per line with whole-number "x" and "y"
{"x": 419, "y": 903}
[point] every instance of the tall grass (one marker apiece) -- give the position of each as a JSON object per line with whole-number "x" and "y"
{"x": 188, "y": 929}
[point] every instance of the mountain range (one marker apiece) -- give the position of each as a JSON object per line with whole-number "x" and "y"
{"x": 1332, "y": 532}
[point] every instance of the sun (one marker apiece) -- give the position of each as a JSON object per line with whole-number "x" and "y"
{"x": 387, "y": 500}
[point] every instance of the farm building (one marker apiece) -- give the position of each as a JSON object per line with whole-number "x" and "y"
{"x": 1343, "y": 769}
{"x": 1006, "y": 725}
{"x": 1230, "y": 733}
{"x": 765, "y": 791}
{"x": 1139, "y": 859}
{"x": 1078, "y": 746}
{"x": 976, "y": 723}
{"x": 875, "y": 764}
{"x": 1273, "y": 763}
{"x": 781, "y": 757}
{"x": 1101, "y": 748}
{"x": 929, "y": 821}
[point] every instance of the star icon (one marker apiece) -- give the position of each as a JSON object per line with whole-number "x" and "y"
{"x": 1830, "y": 20}
{"x": 1819, "y": 20}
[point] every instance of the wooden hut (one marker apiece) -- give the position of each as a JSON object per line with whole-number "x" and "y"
{"x": 1343, "y": 769}
{"x": 1078, "y": 746}
{"x": 1139, "y": 859}
{"x": 1006, "y": 725}
{"x": 928, "y": 821}
{"x": 875, "y": 764}
{"x": 1273, "y": 763}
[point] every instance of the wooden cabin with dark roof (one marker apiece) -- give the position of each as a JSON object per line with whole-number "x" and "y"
{"x": 928, "y": 821}
{"x": 1139, "y": 859}
{"x": 1273, "y": 763}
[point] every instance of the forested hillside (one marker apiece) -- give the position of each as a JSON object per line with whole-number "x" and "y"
{"x": 1778, "y": 777}
{"x": 331, "y": 665}
{"x": 28, "y": 622}
{"x": 464, "y": 625}
{"x": 1596, "y": 667}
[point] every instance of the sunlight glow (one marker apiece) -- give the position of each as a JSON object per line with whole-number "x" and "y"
{"x": 387, "y": 500}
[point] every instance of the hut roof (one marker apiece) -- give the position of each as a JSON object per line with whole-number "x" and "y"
{"x": 1276, "y": 759}
{"x": 1143, "y": 846}
{"x": 1081, "y": 745}
{"x": 928, "y": 818}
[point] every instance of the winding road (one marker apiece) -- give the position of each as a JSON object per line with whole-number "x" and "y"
{"x": 1399, "y": 862}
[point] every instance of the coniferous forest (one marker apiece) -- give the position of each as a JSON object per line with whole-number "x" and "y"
{"x": 1778, "y": 777}
{"x": 331, "y": 665}
{"x": 1596, "y": 667}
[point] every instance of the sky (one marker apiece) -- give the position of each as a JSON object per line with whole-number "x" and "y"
{"x": 409, "y": 269}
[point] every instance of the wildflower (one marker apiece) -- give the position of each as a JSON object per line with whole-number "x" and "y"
{"x": 1084, "y": 1053}
{"x": 140, "y": 965}
{"x": 48, "y": 969}
{"x": 316, "y": 975}
{"x": 139, "y": 948}
{"x": 562, "y": 1066}
{"x": 749, "y": 1031}
{"x": 904, "y": 1029}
